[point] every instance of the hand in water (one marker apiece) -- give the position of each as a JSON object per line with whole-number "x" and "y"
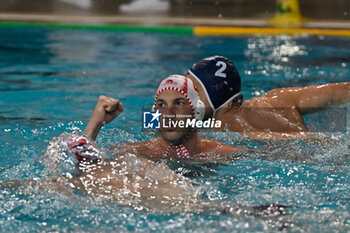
{"x": 105, "y": 111}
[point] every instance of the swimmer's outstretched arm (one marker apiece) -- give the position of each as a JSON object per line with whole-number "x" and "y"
{"x": 11, "y": 183}
{"x": 39, "y": 184}
{"x": 310, "y": 98}
{"x": 105, "y": 111}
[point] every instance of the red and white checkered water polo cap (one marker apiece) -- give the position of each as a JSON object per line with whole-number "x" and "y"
{"x": 187, "y": 88}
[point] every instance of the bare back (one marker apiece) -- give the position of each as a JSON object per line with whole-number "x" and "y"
{"x": 265, "y": 114}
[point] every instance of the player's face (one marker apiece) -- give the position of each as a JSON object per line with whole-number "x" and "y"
{"x": 174, "y": 108}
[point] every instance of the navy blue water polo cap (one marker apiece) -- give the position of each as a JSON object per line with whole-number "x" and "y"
{"x": 219, "y": 79}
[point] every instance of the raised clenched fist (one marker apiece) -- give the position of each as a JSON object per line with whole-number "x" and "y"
{"x": 105, "y": 111}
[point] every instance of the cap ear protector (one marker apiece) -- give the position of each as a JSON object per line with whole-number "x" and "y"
{"x": 186, "y": 87}
{"x": 199, "y": 110}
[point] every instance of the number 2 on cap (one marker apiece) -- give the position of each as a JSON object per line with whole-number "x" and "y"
{"x": 220, "y": 71}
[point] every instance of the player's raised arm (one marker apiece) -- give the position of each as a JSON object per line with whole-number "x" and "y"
{"x": 318, "y": 96}
{"x": 310, "y": 98}
{"x": 105, "y": 111}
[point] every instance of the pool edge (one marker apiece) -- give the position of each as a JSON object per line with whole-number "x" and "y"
{"x": 177, "y": 25}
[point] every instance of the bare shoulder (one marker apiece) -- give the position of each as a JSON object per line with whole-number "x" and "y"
{"x": 220, "y": 148}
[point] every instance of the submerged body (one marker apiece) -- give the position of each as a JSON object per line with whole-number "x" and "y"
{"x": 125, "y": 179}
{"x": 116, "y": 175}
{"x": 131, "y": 180}
{"x": 140, "y": 184}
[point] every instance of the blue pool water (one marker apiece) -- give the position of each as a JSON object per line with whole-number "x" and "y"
{"x": 50, "y": 80}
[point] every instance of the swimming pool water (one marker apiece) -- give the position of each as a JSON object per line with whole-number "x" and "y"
{"x": 50, "y": 80}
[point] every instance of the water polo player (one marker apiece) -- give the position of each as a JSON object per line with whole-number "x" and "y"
{"x": 175, "y": 96}
{"x": 278, "y": 113}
